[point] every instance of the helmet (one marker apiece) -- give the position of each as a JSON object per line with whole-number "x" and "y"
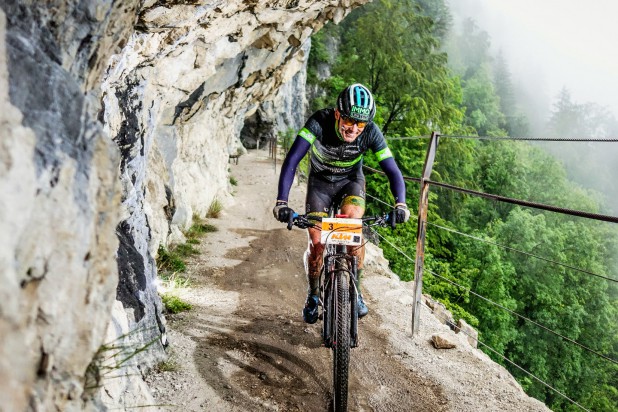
{"x": 356, "y": 101}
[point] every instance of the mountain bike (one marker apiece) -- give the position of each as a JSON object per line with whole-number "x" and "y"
{"x": 338, "y": 294}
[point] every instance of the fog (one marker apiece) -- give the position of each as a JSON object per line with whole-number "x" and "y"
{"x": 550, "y": 44}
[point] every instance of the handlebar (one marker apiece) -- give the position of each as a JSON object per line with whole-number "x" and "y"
{"x": 304, "y": 222}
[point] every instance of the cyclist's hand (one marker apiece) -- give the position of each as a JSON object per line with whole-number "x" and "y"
{"x": 401, "y": 212}
{"x": 282, "y": 212}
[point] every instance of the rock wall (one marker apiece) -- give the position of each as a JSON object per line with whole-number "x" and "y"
{"x": 117, "y": 121}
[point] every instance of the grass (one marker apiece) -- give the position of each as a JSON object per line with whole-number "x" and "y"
{"x": 174, "y": 304}
{"x": 168, "y": 366}
{"x": 233, "y": 181}
{"x": 186, "y": 250}
{"x": 174, "y": 281}
{"x": 198, "y": 230}
{"x": 215, "y": 209}
{"x": 111, "y": 357}
{"x": 172, "y": 262}
{"x": 169, "y": 261}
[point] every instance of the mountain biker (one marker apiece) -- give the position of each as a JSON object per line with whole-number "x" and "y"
{"x": 338, "y": 138}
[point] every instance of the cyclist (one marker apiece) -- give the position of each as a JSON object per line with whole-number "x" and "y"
{"x": 338, "y": 138}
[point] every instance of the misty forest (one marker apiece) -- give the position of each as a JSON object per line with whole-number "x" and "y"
{"x": 430, "y": 74}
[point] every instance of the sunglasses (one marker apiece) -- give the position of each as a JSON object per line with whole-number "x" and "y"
{"x": 349, "y": 122}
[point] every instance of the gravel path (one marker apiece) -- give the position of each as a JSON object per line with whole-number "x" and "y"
{"x": 244, "y": 346}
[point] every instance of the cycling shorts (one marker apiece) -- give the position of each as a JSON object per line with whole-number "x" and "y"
{"x": 322, "y": 194}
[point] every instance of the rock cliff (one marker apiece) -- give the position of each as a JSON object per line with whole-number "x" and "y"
{"x": 117, "y": 121}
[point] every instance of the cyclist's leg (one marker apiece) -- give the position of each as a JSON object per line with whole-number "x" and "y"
{"x": 319, "y": 198}
{"x": 353, "y": 205}
{"x": 314, "y": 259}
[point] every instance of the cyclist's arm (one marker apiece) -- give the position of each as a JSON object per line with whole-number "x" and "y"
{"x": 395, "y": 178}
{"x": 298, "y": 150}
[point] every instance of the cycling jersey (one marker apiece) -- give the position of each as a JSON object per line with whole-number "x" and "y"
{"x": 333, "y": 159}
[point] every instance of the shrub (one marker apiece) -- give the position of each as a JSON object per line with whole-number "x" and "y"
{"x": 214, "y": 211}
{"x": 173, "y": 304}
{"x": 168, "y": 261}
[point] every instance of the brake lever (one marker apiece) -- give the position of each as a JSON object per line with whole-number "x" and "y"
{"x": 291, "y": 221}
{"x": 393, "y": 219}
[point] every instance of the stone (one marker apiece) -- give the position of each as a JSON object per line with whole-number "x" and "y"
{"x": 442, "y": 341}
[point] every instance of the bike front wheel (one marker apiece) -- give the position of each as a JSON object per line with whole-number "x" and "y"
{"x": 341, "y": 341}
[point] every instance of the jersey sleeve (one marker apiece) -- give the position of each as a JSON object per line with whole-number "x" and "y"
{"x": 288, "y": 169}
{"x": 313, "y": 127}
{"x": 378, "y": 145}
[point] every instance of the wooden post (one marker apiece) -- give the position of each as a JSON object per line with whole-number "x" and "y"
{"x": 275, "y": 150}
{"x": 421, "y": 231}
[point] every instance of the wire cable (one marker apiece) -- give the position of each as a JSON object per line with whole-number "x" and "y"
{"x": 522, "y": 317}
{"x": 501, "y": 306}
{"x": 522, "y": 252}
{"x": 564, "y": 211}
{"x": 372, "y": 170}
{"x": 379, "y": 200}
{"x": 535, "y": 205}
{"x": 511, "y": 362}
{"x": 407, "y": 137}
{"x": 386, "y": 204}
{"x": 392, "y": 244}
{"x": 537, "y": 139}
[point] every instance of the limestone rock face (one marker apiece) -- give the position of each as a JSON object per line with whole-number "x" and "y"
{"x": 117, "y": 121}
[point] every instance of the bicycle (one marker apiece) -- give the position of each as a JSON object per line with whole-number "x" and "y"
{"x": 338, "y": 294}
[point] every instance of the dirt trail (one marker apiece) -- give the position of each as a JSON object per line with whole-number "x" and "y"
{"x": 244, "y": 346}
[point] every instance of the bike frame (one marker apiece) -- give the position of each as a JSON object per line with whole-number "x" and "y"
{"x": 334, "y": 255}
{"x": 339, "y": 271}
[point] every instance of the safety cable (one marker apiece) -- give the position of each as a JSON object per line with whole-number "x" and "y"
{"x": 501, "y": 306}
{"x": 438, "y": 315}
{"x": 522, "y": 252}
{"x": 522, "y": 317}
{"x": 408, "y": 137}
{"x": 379, "y": 200}
{"x": 535, "y": 139}
{"x": 565, "y": 211}
{"x": 392, "y": 244}
{"x": 386, "y": 204}
{"x": 411, "y": 179}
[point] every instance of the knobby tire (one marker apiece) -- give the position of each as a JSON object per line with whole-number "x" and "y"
{"x": 341, "y": 340}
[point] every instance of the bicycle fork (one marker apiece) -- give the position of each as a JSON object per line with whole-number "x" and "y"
{"x": 329, "y": 292}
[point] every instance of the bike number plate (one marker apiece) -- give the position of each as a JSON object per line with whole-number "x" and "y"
{"x": 340, "y": 231}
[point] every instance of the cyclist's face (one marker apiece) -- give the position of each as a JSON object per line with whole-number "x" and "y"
{"x": 348, "y": 129}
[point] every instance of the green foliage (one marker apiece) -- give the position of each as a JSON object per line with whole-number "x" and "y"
{"x": 285, "y": 139}
{"x": 233, "y": 181}
{"x": 215, "y": 209}
{"x": 112, "y": 356}
{"x": 392, "y": 47}
{"x": 174, "y": 304}
{"x": 173, "y": 281}
{"x": 404, "y": 70}
{"x": 576, "y": 305}
{"x": 167, "y": 366}
{"x": 185, "y": 250}
{"x": 591, "y": 164}
{"x": 198, "y": 230}
{"x": 168, "y": 261}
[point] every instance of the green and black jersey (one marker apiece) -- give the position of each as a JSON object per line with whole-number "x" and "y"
{"x": 332, "y": 158}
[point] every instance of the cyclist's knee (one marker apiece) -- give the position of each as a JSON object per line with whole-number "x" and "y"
{"x": 353, "y": 206}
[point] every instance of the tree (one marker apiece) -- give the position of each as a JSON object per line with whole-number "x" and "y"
{"x": 392, "y": 50}
{"x": 514, "y": 121}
